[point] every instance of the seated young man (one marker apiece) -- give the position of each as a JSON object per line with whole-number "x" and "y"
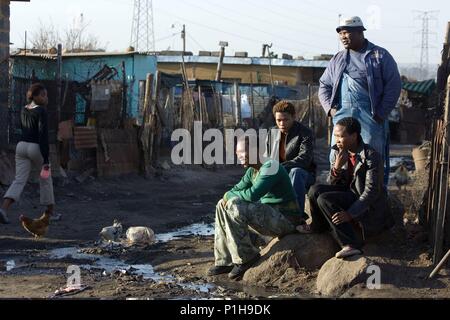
{"x": 355, "y": 204}
{"x": 263, "y": 200}
{"x": 295, "y": 151}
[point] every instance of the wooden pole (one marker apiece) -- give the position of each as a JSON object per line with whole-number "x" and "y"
{"x": 238, "y": 104}
{"x": 220, "y": 64}
{"x": 124, "y": 96}
{"x": 58, "y": 84}
{"x": 252, "y": 104}
{"x": 440, "y": 265}
{"x": 443, "y": 186}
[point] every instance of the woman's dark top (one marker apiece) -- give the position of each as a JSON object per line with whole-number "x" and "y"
{"x": 34, "y": 123}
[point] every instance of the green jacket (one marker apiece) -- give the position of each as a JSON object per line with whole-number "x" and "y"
{"x": 272, "y": 189}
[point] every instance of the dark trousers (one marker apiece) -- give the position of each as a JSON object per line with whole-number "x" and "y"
{"x": 325, "y": 201}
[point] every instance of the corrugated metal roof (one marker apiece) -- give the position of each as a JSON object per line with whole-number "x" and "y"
{"x": 422, "y": 87}
{"x": 245, "y": 61}
{"x": 79, "y": 54}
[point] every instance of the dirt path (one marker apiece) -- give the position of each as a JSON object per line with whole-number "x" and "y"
{"x": 173, "y": 268}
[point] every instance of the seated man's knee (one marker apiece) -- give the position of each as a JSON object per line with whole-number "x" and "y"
{"x": 314, "y": 191}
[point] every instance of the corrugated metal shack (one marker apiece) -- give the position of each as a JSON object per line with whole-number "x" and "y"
{"x": 99, "y": 98}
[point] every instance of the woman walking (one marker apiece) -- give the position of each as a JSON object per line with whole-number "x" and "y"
{"x": 32, "y": 153}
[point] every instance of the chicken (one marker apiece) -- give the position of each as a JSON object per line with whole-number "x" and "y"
{"x": 401, "y": 176}
{"x": 37, "y": 227}
{"x": 112, "y": 233}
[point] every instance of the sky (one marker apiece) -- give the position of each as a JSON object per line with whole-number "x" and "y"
{"x": 300, "y": 28}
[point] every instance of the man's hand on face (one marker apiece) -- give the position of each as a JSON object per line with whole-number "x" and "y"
{"x": 341, "y": 159}
{"x": 378, "y": 119}
{"x": 341, "y": 217}
{"x": 333, "y": 112}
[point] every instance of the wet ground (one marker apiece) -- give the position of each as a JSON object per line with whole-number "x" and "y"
{"x": 179, "y": 206}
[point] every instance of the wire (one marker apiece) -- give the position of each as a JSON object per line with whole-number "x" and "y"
{"x": 284, "y": 26}
{"x": 251, "y": 27}
{"x": 192, "y": 38}
{"x": 239, "y": 36}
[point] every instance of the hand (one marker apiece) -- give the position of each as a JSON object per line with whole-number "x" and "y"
{"x": 333, "y": 112}
{"x": 378, "y": 119}
{"x": 342, "y": 217}
{"x": 341, "y": 159}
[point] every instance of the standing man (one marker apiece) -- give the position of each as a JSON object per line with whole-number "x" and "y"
{"x": 293, "y": 148}
{"x": 362, "y": 82}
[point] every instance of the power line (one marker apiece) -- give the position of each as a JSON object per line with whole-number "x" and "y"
{"x": 220, "y": 30}
{"x": 256, "y": 29}
{"x": 284, "y": 26}
{"x": 142, "y": 28}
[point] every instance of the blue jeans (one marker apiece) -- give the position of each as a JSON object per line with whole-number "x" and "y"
{"x": 301, "y": 181}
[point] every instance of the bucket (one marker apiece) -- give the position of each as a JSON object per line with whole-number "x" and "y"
{"x": 421, "y": 158}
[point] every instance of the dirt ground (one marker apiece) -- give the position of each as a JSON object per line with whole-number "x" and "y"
{"x": 176, "y": 269}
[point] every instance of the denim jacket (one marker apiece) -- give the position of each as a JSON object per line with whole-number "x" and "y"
{"x": 383, "y": 79}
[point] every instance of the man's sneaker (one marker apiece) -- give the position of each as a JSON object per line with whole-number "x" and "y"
{"x": 3, "y": 217}
{"x": 239, "y": 269}
{"x": 216, "y": 270}
{"x": 348, "y": 251}
{"x": 304, "y": 229}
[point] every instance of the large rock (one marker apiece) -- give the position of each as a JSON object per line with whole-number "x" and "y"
{"x": 310, "y": 250}
{"x": 337, "y": 275}
{"x": 282, "y": 258}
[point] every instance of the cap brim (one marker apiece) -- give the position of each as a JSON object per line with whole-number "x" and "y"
{"x": 339, "y": 29}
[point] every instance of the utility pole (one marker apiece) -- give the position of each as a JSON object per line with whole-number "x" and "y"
{"x": 268, "y": 47}
{"x": 425, "y": 17}
{"x": 142, "y": 28}
{"x": 183, "y": 36}
{"x": 222, "y": 45}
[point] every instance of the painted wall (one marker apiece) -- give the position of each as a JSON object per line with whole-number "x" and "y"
{"x": 292, "y": 76}
{"x": 82, "y": 68}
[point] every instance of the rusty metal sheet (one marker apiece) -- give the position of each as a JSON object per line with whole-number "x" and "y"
{"x": 85, "y": 138}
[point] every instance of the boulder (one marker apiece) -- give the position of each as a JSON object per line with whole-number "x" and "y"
{"x": 338, "y": 275}
{"x": 283, "y": 258}
{"x": 310, "y": 250}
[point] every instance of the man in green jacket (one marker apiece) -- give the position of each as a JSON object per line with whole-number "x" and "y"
{"x": 263, "y": 200}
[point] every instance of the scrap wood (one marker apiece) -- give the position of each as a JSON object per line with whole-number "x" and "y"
{"x": 69, "y": 291}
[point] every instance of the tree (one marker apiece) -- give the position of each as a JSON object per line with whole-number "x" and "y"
{"x": 75, "y": 38}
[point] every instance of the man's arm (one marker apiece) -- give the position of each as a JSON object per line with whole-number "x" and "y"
{"x": 261, "y": 186}
{"x": 243, "y": 184}
{"x": 372, "y": 188}
{"x": 392, "y": 86}
{"x": 305, "y": 153}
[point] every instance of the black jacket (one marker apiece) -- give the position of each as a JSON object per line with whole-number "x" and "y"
{"x": 371, "y": 208}
{"x": 299, "y": 148}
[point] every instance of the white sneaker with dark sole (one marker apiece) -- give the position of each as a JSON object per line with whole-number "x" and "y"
{"x": 348, "y": 251}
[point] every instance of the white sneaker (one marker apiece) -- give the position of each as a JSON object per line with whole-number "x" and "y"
{"x": 348, "y": 251}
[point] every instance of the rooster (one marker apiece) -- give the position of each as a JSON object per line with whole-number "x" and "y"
{"x": 37, "y": 227}
{"x": 401, "y": 176}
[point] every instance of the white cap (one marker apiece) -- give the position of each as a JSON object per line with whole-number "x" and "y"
{"x": 352, "y": 22}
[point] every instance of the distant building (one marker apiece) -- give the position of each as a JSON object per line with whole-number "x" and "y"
{"x": 243, "y": 69}
{"x": 80, "y": 67}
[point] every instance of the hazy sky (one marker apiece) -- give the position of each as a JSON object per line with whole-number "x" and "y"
{"x": 302, "y": 27}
